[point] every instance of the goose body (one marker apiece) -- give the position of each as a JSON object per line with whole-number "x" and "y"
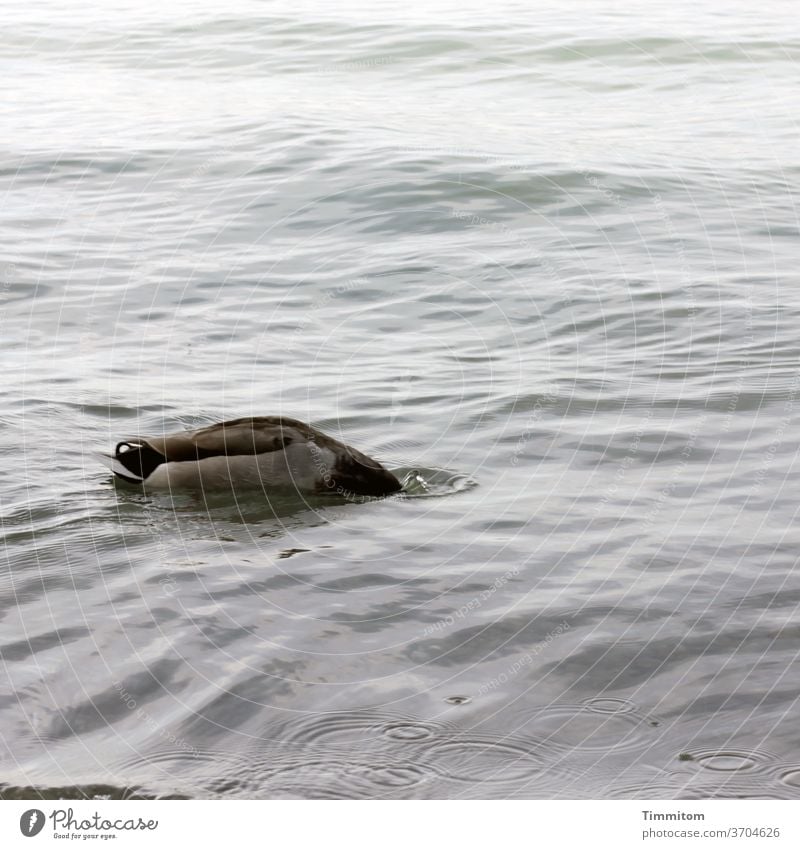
{"x": 270, "y": 452}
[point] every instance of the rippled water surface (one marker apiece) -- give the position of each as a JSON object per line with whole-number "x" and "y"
{"x": 539, "y": 259}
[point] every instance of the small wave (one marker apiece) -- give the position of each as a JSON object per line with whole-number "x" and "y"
{"x": 364, "y": 729}
{"x": 600, "y": 725}
{"x": 730, "y": 760}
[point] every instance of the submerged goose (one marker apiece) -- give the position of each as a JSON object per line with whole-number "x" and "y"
{"x": 266, "y": 451}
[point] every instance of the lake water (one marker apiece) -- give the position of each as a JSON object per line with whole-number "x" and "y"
{"x": 539, "y": 258}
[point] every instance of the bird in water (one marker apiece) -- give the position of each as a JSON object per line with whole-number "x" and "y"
{"x": 272, "y": 452}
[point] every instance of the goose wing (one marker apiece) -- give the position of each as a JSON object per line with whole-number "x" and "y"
{"x": 258, "y": 435}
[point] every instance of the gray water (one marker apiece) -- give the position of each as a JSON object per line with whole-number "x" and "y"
{"x": 540, "y": 261}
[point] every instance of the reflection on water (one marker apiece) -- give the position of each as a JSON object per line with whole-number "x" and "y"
{"x": 543, "y": 270}
{"x": 373, "y": 755}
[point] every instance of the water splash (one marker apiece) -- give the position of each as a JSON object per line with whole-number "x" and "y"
{"x": 432, "y": 482}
